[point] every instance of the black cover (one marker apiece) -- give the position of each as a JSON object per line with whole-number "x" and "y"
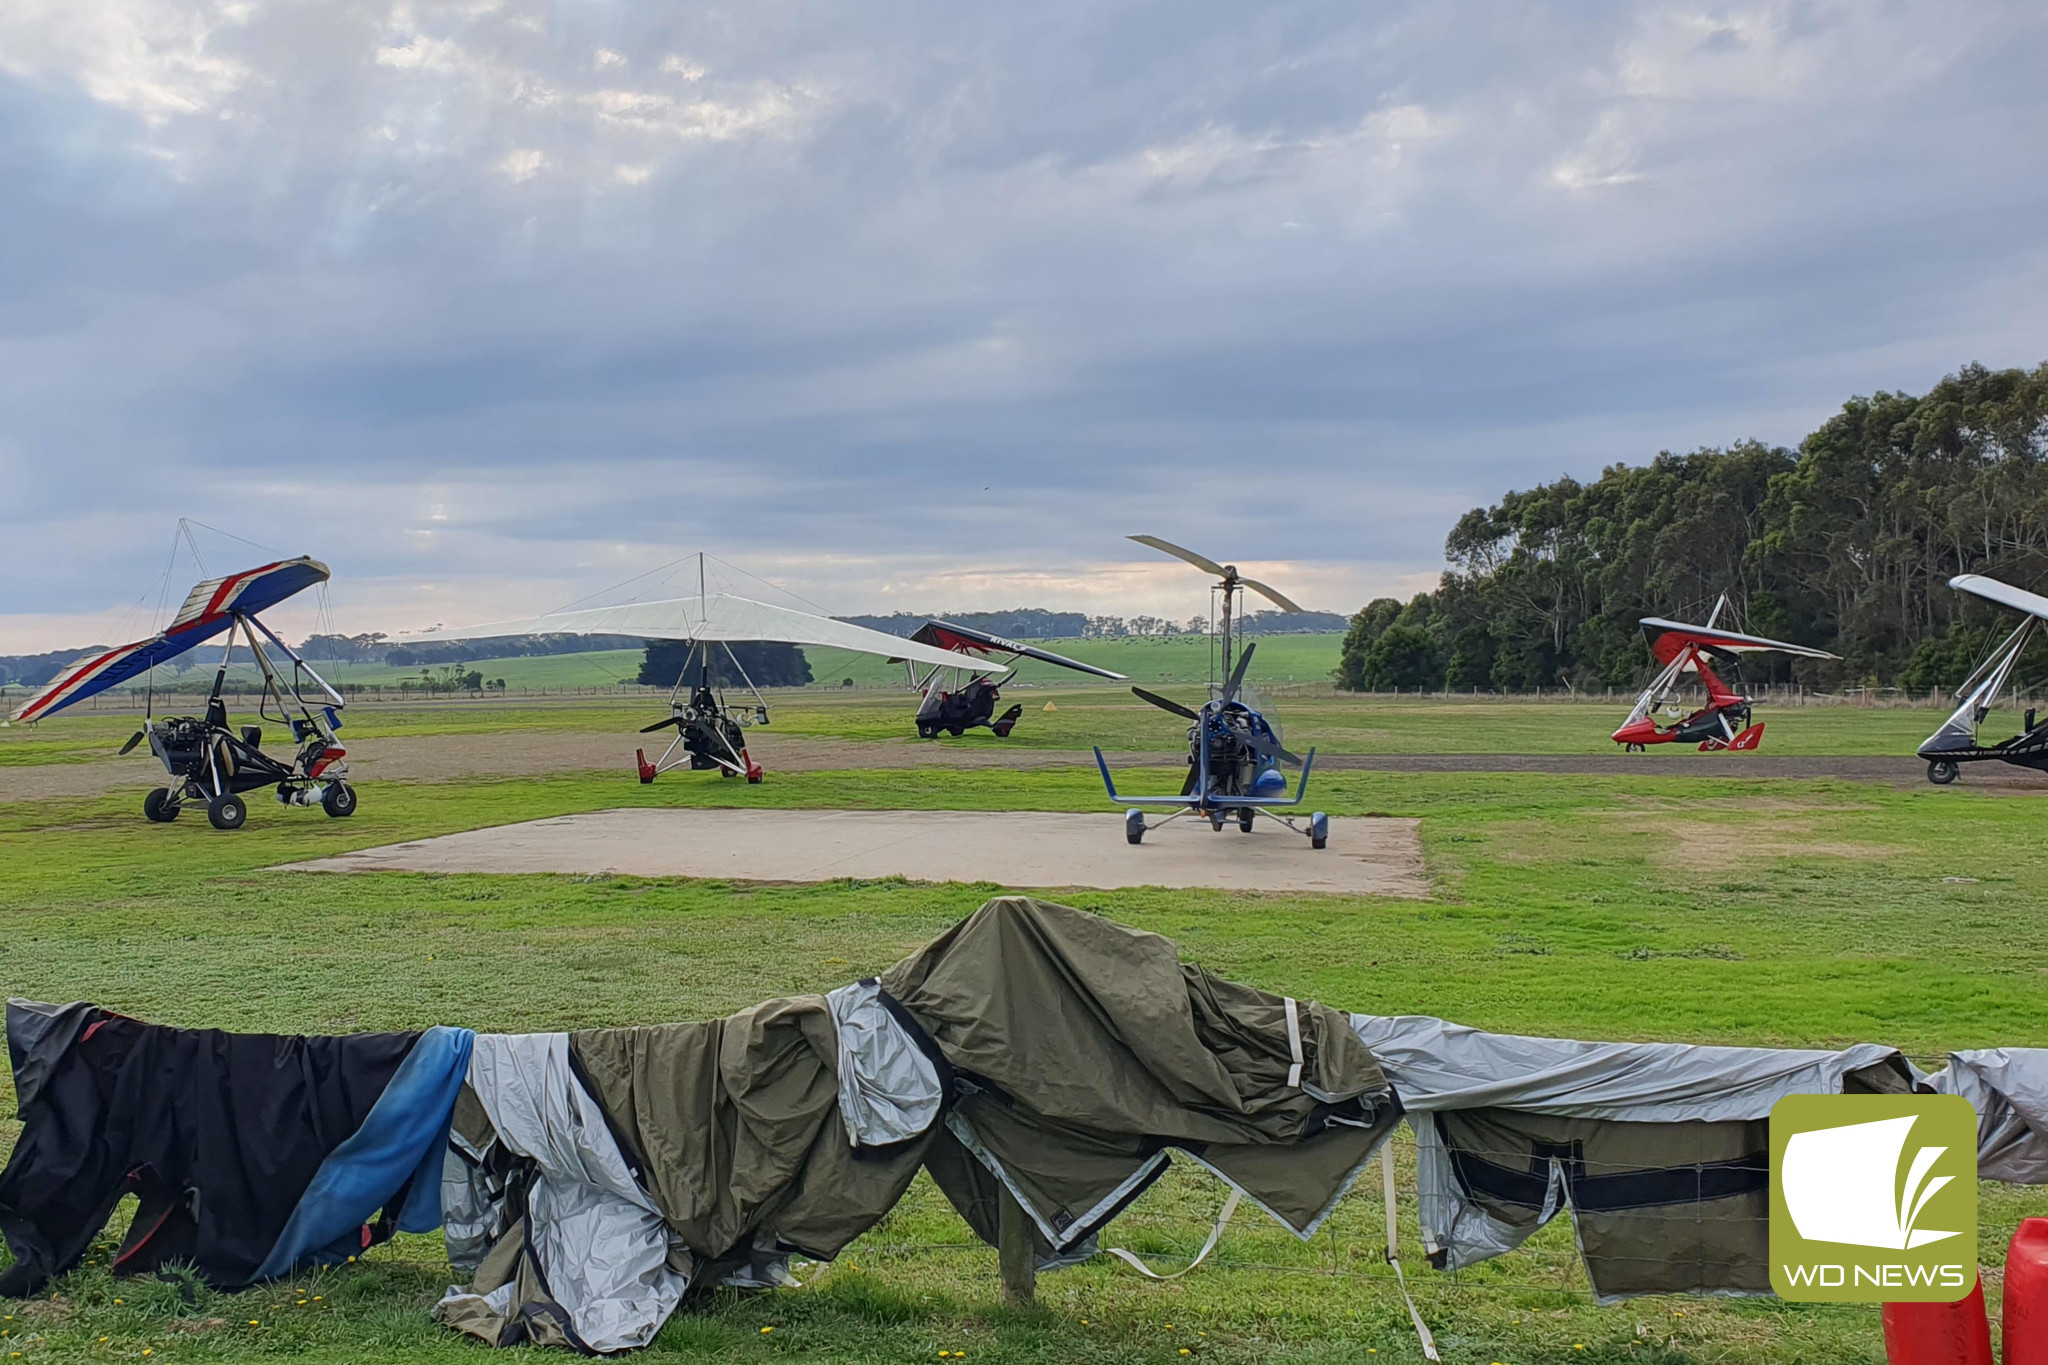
{"x": 218, "y": 1134}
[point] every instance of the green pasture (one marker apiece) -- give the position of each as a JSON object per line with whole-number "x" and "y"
{"x": 1670, "y": 906}
{"x": 1110, "y": 716}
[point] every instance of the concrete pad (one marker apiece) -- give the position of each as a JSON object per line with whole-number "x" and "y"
{"x": 1378, "y": 857}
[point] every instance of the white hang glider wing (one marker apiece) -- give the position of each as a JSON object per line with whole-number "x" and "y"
{"x": 719, "y": 618}
{"x": 1979, "y": 692}
{"x": 2005, "y": 594}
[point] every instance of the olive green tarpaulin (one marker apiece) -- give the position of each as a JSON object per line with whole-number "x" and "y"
{"x": 1085, "y": 1050}
{"x": 734, "y": 1126}
{"x": 1074, "y": 1057}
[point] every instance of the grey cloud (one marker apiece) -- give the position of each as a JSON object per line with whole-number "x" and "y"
{"x": 797, "y": 280}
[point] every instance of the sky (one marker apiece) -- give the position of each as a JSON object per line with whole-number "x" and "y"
{"x": 925, "y": 306}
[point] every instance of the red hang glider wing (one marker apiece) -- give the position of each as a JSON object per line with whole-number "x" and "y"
{"x": 967, "y": 640}
{"x": 1674, "y": 636}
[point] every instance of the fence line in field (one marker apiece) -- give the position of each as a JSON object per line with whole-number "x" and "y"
{"x": 1872, "y": 698}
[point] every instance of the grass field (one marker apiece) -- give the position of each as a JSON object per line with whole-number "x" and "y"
{"x": 1663, "y": 906}
{"x": 1109, "y": 716}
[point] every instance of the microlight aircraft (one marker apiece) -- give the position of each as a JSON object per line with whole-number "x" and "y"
{"x": 1234, "y": 748}
{"x": 710, "y": 731}
{"x": 205, "y": 760}
{"x": 960, "y": 697}
{"x": 1724, "y": 722}
{"x": 1956, "y": 742}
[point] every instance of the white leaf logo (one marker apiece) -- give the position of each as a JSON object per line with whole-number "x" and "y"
{"x": 1842, "y": 1185}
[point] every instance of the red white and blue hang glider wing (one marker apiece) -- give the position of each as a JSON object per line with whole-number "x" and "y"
{"x": 966, "y": 640}
{"x": 211, "y": 609}
{"x": 1674, "y": 636}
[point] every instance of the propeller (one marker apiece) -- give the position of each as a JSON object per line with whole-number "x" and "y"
{"x": 1163, "y": 704}
{"x": 676, "y": 721}
{"x": 1244, "y": 661}
{"x": 1180, "y": 552}
{"x": 1227, "y": 572}
{"x": 1284, "y": 603}
{"x": 133, "y": 740}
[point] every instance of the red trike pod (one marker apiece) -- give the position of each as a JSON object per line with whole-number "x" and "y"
{"x": 2026, "y": 1294}
{"x": 1939, "y": 1333}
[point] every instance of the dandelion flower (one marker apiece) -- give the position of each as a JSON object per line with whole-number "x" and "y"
{"x": 766, "y": 1330}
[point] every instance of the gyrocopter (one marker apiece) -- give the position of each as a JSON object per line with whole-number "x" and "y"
{"x": 1724, "y": 722}
{"x": 1234, "y": 748}
{"x": 205, "y": 759}
{"x": 710, "y": 730}
{"x": 963, "y": 695}
{"x": 1956, "y": 742}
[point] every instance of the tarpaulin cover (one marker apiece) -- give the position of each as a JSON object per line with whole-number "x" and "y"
{"x": 393, "y": 1162}
{"x": 1660, "y": 1151}
{"x": 1085, "y": 1049}
{"x": 586, "y": 1265}
{"x": 217, "y": 1134}
{"x": 2008, "y": 1086}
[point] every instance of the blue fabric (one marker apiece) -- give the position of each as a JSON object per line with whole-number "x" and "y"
{"x": 402, "y": 1139}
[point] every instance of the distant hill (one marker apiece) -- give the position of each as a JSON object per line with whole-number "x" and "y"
{"x": 1024, "y": 623}
{"x": 1036, "y": 623}
{"x": 33, "y": 670}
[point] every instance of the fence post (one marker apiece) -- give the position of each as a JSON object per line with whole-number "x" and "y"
{"x": 1013, "y": 1251}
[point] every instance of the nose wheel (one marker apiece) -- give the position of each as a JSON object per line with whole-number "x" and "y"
{"x": 1134, "y": 826}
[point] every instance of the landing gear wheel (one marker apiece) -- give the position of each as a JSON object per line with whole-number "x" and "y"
{"x": 754, "y": 777}
{"x": 1319, "y": 830}
{"x": 160, "y": 807}
{"x": 1216, "y": 822}
{"x": 1942, "y": 771}
{"x": 1632, "y": 748}
{"x": 956, "y": 730}
{"x": 1134, "y": 826}
{"x": 925, "y": 731}
{"x": 226, "y": 812}
{"x": 339, "y": 800}
{"x": 1244, "y": 818}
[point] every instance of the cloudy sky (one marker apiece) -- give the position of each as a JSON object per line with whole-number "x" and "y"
{"x": 925, "y": 305}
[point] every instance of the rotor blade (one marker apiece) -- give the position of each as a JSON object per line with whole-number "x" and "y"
{"x": 1244, "y": 661}
{"x": 133, "y": 740}
{"x": 1163, "y": 704}
{"x": 1179, "y": 552}
{"x": 1283, "y": 603}
{"x": 676, "y": 721}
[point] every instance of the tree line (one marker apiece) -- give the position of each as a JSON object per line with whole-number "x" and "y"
{"x": 1846, "y": 543}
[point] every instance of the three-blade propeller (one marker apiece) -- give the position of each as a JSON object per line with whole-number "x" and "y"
{"x": 1165, "y": 705}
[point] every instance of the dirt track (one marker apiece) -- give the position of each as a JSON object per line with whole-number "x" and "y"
{"x": 447, "y": 758}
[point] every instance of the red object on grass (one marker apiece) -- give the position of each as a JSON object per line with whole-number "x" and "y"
{"x": 2026, "y": 1294}
{"x": 1939, "y": 1333}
